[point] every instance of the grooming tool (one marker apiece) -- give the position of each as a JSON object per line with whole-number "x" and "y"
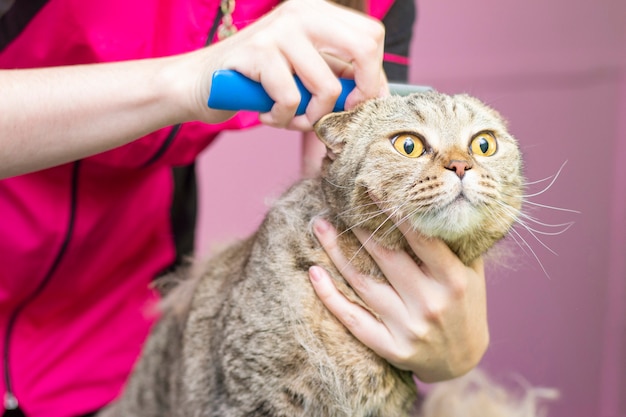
{"x": 230, "y": 90}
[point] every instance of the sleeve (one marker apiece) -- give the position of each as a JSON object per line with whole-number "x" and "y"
{"x": 398, "y": 22}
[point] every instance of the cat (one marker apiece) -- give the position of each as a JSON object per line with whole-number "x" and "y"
{"x": 244, "y": 334}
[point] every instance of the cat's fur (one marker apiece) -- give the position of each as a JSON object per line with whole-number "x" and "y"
{"x": 253, "y": 339}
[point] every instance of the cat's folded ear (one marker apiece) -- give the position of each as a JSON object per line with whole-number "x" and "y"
{"x": 331, "y": 129}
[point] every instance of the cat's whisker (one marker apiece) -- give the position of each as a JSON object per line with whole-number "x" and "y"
{"x": 524, "y": 218}
{"x": 527, "y": 201}
{"x": 532, "y": 251}
{"x": 389, "y": 217}
{"x": 362, "y": 221}
{"x": 500, "y": 212}
{"x": 403, "y": 219}
{"x": 392, "y": 228}
{"x": 346, "y": 187}
{"x": 527, "y": 183}
{"x": 552, "y": 179}
{"x": 517, "y": 239}
{"x": 532, "y": 203}
{"x": 562, "y": 227}
{"x": 372, "y": 214}
{"x": 528, "y": 217}
{"x": 362, "y": 206}
{"x": 519, "y": 220}
{"x": 409, "y": 215}
{"x": 534, "y": 235}
{"x": 555, "y": 233}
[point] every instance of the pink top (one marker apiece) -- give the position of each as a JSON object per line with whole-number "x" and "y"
{"x": 81, "y": 242}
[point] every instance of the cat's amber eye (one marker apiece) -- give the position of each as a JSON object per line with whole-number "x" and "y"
{"x": 408, "y": 145}
{"x": 484, "y": 144}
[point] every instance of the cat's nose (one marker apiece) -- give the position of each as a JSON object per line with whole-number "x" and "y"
{"x": 459, "y": 166}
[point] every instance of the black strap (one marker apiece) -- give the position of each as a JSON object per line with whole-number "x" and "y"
{"x": 16, "y": 412}
{"x": 15, "y": 16}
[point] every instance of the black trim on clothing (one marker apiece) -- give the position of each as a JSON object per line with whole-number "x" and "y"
{"x": 16, "y": 18}
{"x": 398, "y": 34}
{"x": 164, "y": 146}
{"x": 16, "y": 412}
{"x": 176, "y": 128}
{"x": 14, "y": 409}
{"x": 184, "y": 208}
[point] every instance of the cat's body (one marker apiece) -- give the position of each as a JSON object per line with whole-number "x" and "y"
{"x": 251, "y": 338}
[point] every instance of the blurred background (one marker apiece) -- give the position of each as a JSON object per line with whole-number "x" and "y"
{"x": 556, "y": 70}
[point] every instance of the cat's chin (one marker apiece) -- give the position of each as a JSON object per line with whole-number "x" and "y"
{"x": 452, "y": 221}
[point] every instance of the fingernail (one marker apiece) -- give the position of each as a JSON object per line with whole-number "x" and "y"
{"x": 315, "y": 274}
{"x": 321, "y": 226}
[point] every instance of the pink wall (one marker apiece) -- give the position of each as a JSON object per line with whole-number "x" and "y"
{"x": 557, "y": 71}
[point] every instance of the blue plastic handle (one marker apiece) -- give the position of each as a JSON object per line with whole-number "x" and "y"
{"x": 230, "y": 90}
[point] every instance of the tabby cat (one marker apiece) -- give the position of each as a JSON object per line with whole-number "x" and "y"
{"x": 245, "y": 334}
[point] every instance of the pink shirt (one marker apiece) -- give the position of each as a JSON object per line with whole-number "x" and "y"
{"x": 80, "y": 243}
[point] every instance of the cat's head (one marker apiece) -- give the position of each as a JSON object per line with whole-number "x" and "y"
{"x": 445, "y": 164}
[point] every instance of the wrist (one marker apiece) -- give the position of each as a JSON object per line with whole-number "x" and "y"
{"x": 175, "y": 83}
{"x": 188, "y": 80}
{"x": 453, "y": 364}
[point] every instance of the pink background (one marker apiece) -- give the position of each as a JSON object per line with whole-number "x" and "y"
{"x": 557, "y": 70}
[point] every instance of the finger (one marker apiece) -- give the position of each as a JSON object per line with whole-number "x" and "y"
{"x": 381, "y": 297}
{"x": 422, "y": 296}
{"x": 404, "y": 275}
{"x": 327, "y": 236}
{"x": 435, "y": 254}
{"x": 362, "y": 45}
{"x": 300, "y": 123}
{"x": 338, "y": 66}
{"x": 316, "y": 76}
{"x": 365, "y": 52}
{"x": 363, "y": 325}
{"x": 259, "y": 59}
{"x": 277, "y": 81}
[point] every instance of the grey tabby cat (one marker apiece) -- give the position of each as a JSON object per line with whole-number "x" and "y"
{"x": 251, "y": 338}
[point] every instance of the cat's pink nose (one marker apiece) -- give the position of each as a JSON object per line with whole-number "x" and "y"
{"x": 459, "y": 166}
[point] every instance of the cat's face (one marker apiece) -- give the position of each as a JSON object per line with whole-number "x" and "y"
{"x": 446, "y": 164}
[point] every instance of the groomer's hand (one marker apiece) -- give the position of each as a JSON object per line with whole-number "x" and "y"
{"x": 433, "y": 317}
{"x": 316, "y": 40}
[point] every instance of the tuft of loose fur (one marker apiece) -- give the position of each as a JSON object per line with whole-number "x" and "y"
{"x": 246, "y": 335}
{"x": 477, "y": 395}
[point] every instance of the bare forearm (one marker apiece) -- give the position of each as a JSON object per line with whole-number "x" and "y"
{"x": 72, "y": 112}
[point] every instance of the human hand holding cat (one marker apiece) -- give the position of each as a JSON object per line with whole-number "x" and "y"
{"x": 432, "y": 317}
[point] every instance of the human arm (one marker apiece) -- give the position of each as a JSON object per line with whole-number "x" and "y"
{"x": 54, "y": 115}
{"x": 432, "y": 317}
{"x": 50, "y": 116}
